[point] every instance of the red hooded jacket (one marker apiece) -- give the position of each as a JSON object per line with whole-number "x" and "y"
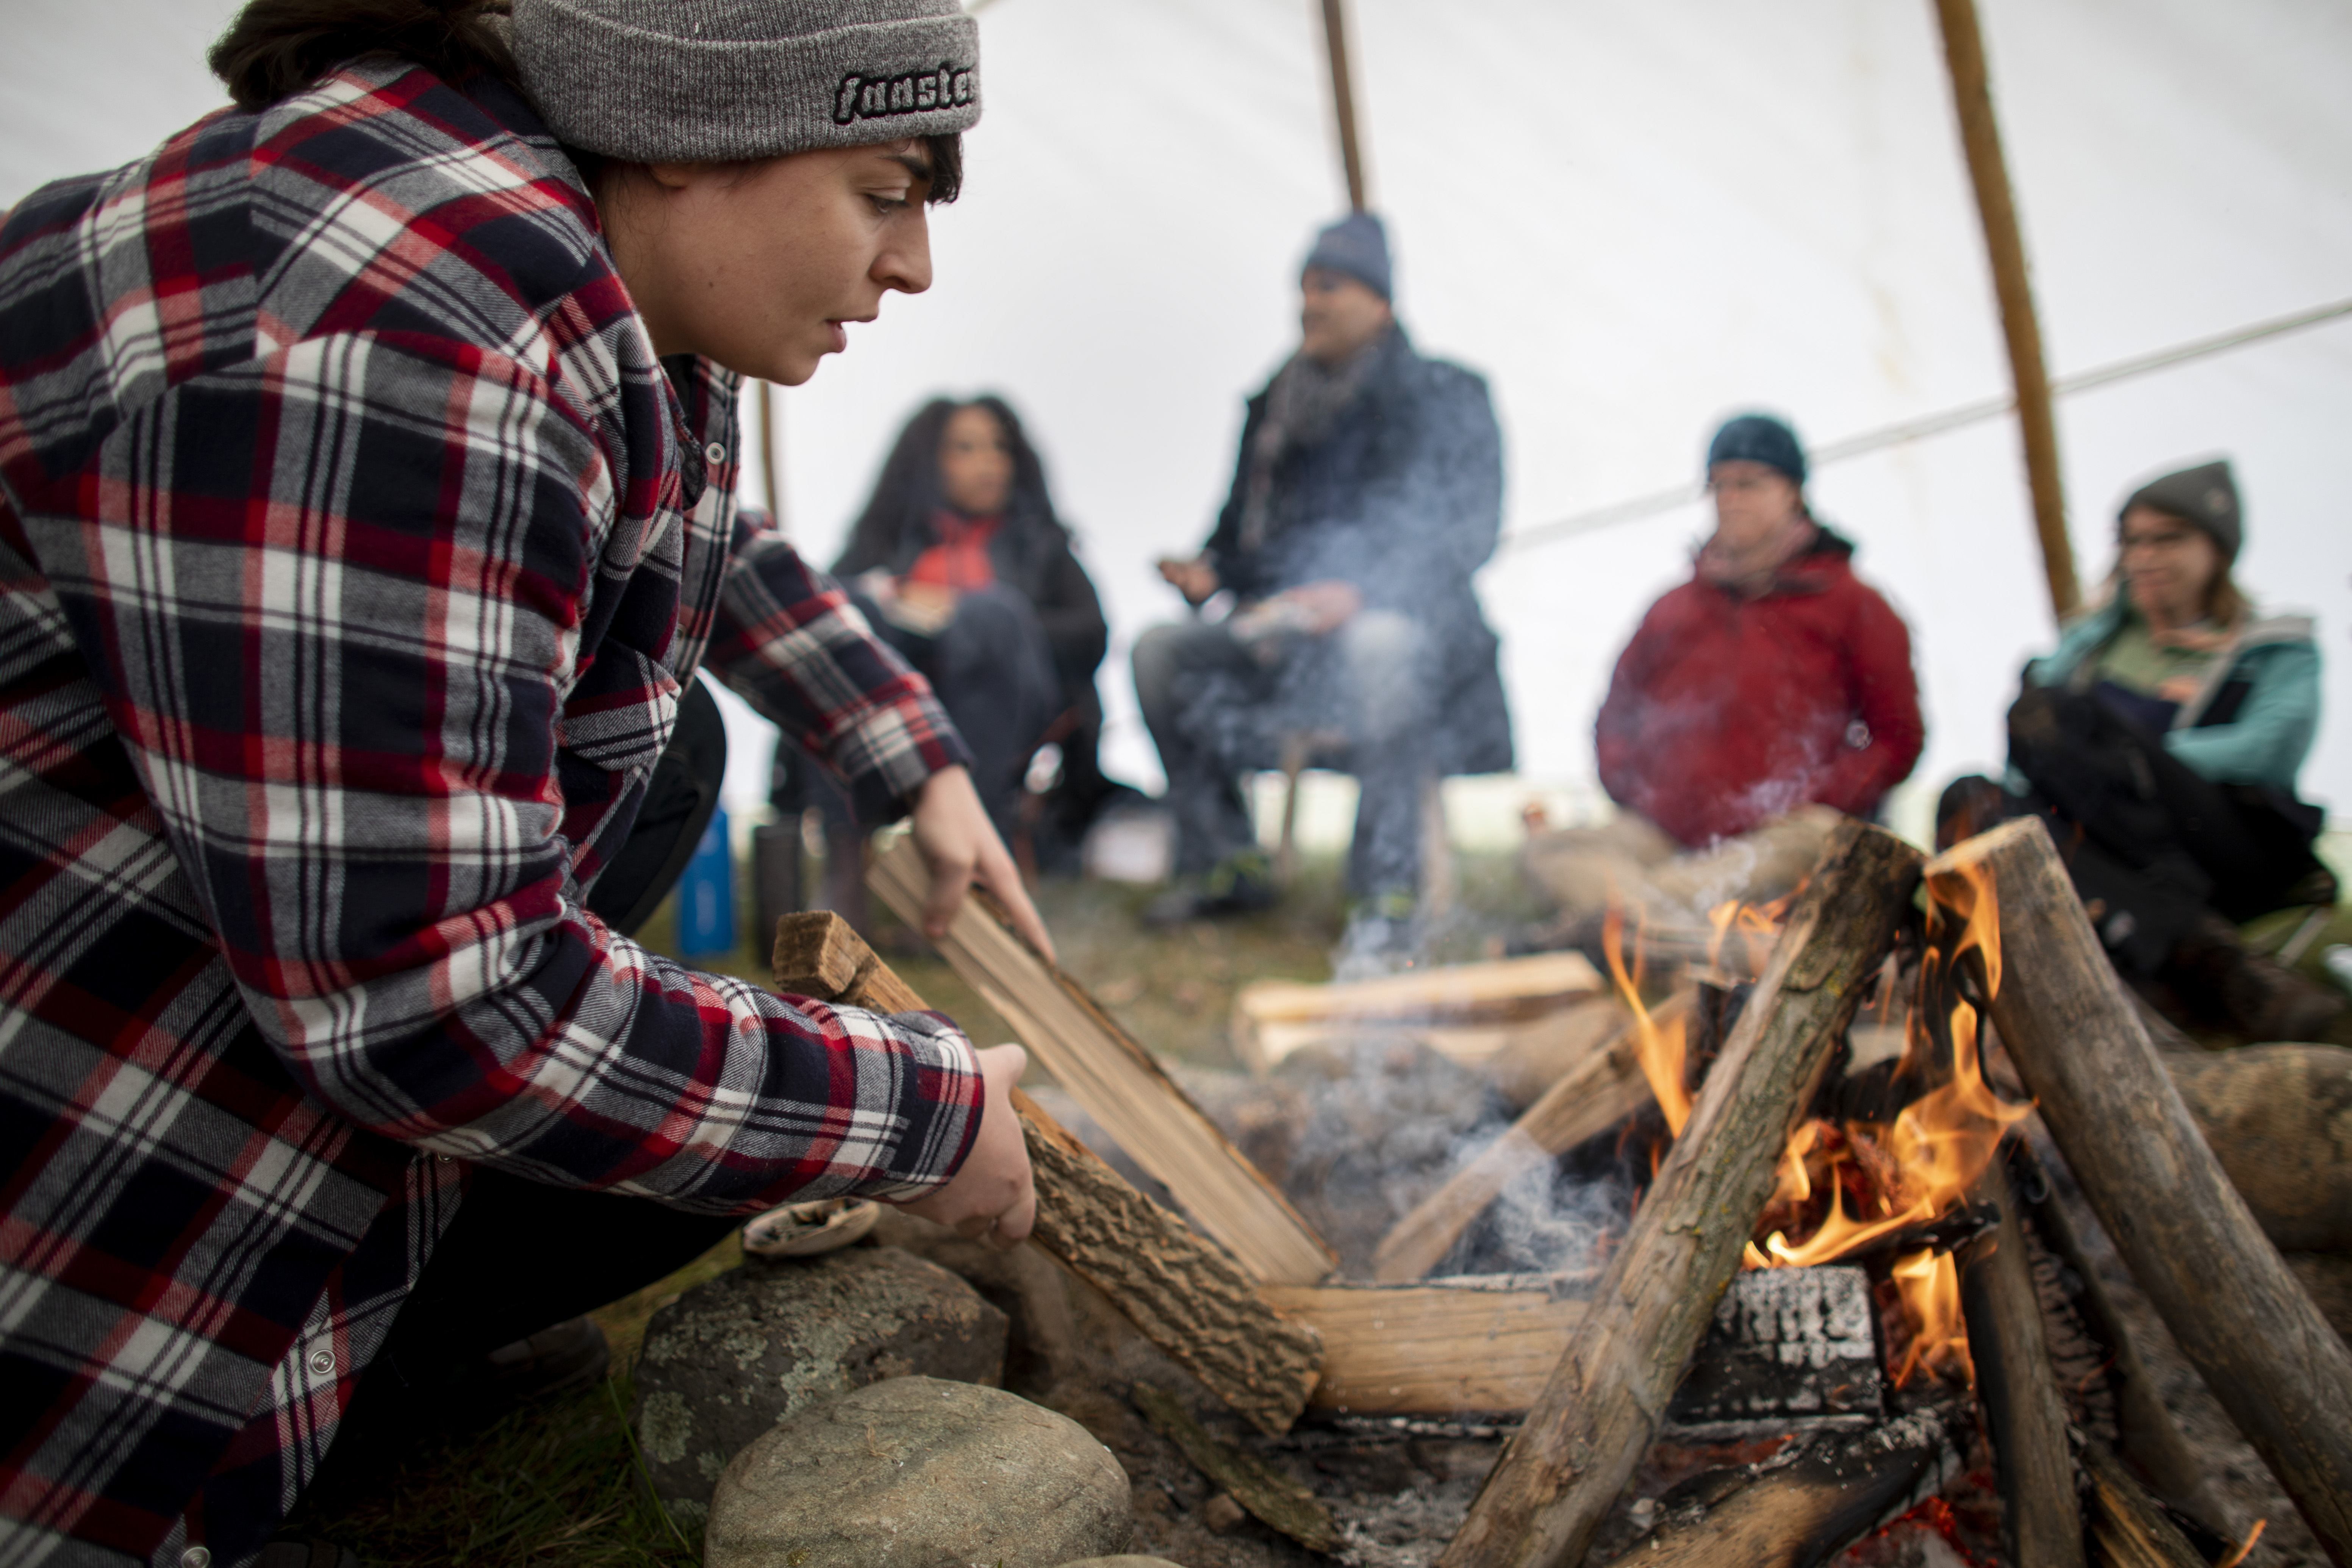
{"x": 1726, "y": 711}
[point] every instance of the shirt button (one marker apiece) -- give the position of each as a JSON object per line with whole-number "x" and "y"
{"x": 715, "y": 452}
{"x": 322, "y": 1363}
{"x": 196, "y": 1557}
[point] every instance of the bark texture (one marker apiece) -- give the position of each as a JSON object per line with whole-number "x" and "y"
{"x": 2238, "y": 1312}
{"x": 1602, "y": 1408}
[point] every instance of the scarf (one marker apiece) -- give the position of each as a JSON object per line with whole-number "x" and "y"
{"x": 1302, "y": 408}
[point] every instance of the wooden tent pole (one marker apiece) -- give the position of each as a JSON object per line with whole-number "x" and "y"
{"x": 1343, "y": 101}
{"x": 769, "y": 480}
{"x": 1997, "y": 207}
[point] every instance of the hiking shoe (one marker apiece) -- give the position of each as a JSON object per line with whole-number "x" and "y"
{"x": 1241, "y": 885}
{"x": 1383, "y": 937}
{"x": 556, "y": 1360}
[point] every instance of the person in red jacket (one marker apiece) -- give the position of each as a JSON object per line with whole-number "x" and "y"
{"x": 1757, "y": 700}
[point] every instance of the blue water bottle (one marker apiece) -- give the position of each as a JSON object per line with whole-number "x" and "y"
{"x": 706, "y": 894}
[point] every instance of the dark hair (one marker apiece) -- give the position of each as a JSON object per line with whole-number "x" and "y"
{"x": 277, "y": 49}
{"x": 908, "y": 491}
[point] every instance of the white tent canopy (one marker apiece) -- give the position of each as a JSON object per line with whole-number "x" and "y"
{"x": 1633, "y": 220}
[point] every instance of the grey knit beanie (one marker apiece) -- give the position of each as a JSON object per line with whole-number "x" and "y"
{"x": 656, "y": 81}
{"x": 2204, "y": 497}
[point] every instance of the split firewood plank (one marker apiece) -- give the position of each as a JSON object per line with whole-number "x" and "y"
{"x": 2232, "y": 1304}
{"x": 1104, "y": 1068}
{"x": 1603, "y": 1402}
{"x": 1481, "y": 1345}
{"x": 2130, "y": 1529}
{"x": 1280, "y": 1500}
{"x": 1538, "y": 1054}
{"x": 2042, "y": 1516}
{"x": 1272, "y": 1017}
{"x": 1186, "y": 1296}
{"x": 1602, "y": 1090}
{"x": 1796, "y": 1514}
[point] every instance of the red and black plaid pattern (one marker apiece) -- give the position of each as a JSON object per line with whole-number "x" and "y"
{"x": 355, "y": 545}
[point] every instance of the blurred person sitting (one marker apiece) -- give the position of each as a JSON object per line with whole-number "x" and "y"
{"x": 1755, "y": 704}
{"x": 2161, "y": 742}
{"x": 1367, "y": 491}
{"x": 961, "y": 564}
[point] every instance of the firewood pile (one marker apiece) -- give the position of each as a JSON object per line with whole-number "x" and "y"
{"x": 1835, "y": 1287}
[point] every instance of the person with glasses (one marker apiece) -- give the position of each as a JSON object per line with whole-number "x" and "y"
{"x": 2162, "y": 741}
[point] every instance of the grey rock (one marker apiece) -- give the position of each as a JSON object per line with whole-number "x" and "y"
{"x": 915, "y": 1472}
{"x": 1122, "y": 1561}
{"x": 736, "y": 1354}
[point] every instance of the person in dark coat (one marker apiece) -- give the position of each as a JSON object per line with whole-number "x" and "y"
{"x": 1755, "y": 704}
{"x": 1368, "y": 490}
{"x": 2161, "y": 742}
{"x": 963, "y": 566}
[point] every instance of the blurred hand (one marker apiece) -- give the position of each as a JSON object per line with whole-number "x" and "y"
{"x": 992, "y": 1197}
{"x": 1195, "y": 579}
{"x": 960, "y": 846}
{"x": 1324, "y": 607}
{"x": 877, "y": 585}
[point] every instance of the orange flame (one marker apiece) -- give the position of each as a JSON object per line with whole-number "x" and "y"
{"x": 1758, "y": 926}
{"x": 1926, "y": 1161}
{"x": 1929, "y": 1283}
{"x": 1659, "y": 1051}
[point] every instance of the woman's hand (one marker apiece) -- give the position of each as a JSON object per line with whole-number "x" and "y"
{"x": 960, "y": 846}
{"x": 992, "y": 1197}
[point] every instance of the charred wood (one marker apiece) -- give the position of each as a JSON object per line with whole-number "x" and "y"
{"x": 2238, "y": 1312}
{"x": 2024, "y": 1414}
{"x": 1602, "y": 1406}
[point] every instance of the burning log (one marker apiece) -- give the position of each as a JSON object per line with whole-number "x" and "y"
{"x": 1602, "y": 1407}
{"x": 1274, "y": 1017}
{"x": 1116, "y": 1079}
{"x": 1188, "y": 1298}
{"x": 1797, "y": 1514}
{"x": 2131, "y": 1531}
{"x": 2024, "y": 1414}
{"x": 2236, "y": 1310}
{"x": 1789, "y": 1348}
{"x": 2151, "y": 1438}
{"x": 1602, "y": 1090}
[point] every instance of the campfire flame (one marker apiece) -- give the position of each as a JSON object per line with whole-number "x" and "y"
{"x": 1879, "y": 1177}
{"x": 1659, "y": 1050}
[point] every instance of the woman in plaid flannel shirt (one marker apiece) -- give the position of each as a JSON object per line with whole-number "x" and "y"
{"x": 366, "y": 463}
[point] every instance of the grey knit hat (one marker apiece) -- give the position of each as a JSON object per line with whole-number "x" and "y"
{"x": 657, "y": 81}
{"x": 2204, "y": 497}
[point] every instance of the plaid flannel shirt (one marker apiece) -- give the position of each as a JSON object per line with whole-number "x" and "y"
{"x": 354, "y": 547}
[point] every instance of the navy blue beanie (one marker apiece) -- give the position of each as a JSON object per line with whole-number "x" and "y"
{"x": 1758, "y": 438}
{"x": 1359, "y": 247}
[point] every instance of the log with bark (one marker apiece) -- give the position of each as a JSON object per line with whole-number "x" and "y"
{"x": 2235, "y": 1308}
{"x": 1602, "y": 1406}
{"x": 2130, "y": 1531}
{"x": 1802, "y": 1512}
{"x": 2042, "y": 1516}
{"x": 1187, "y": 1297}
{"x": 1597, "y": 1094}
{"x": 1116, "y": 1081}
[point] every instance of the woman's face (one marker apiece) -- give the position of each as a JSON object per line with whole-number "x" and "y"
{"x": 2169, "y": 567}
{"x": 761, "y": 265}
{"x": 975, "y": 463}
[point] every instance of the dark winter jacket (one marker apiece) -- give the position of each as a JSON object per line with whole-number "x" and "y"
{"x": 1032, "y": 555}
{"x": 1726, "y": 711}
{"x": 1404, "y": 498}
